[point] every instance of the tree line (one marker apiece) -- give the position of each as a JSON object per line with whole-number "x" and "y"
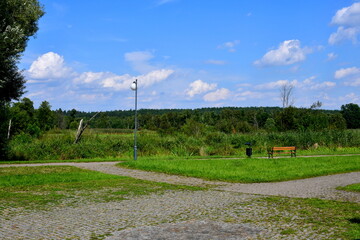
{"x": 26, "y": 119}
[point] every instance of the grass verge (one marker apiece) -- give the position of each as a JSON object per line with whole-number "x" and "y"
{"x": 250, "y": 170}
{"x": 33, "y": 187}
{"x": 351, "y": 188}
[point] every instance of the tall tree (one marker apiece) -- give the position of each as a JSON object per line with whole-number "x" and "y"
{"x": 18, "y": 22}
{"x": 351, "y": 113}
{"x": 45, "y": 116}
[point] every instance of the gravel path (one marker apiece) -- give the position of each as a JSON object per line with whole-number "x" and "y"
{"x": 226, "y": 211}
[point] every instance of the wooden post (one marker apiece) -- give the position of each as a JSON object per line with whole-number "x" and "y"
{"x": 82, "y": 128}
{"x": 8, "y": 135}
{"x": 79, "y": 131}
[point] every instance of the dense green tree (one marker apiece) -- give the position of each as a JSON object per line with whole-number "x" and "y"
{"x": 270, "y": 125}
{"x": 23, "y": 116}
{"x": 18, "y": 22}
{"x": 45, "y": 116}
{"x": 336, "y": 121}
{"x": 351, "y": 114}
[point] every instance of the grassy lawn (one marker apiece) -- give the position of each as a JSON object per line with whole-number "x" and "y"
{"x": 106, "y": 159}
{"x": 250, "y": 170}
{"x": 351, "y": 188}
{"x": 46, "y": 185}
{"x": 323, "y": 216}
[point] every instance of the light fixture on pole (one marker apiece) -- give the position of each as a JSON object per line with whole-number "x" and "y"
{"x": 134, "y": 88}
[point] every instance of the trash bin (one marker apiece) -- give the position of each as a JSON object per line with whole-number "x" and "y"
{"x": 248, "y": 152}
{"x": 248, "y": 149}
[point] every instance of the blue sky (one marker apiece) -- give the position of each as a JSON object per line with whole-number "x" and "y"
{"x": 194, "y": 54}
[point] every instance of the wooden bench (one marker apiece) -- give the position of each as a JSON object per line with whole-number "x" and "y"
{"x": 286, "y": 150}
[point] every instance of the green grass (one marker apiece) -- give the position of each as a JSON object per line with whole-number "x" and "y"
{"x": 337, "y": 220}
{"x": 351, "y": 188}
{"x": 33, "y": 187}
{"x": 105, "y": 159}
{"x": 250, "y": 170}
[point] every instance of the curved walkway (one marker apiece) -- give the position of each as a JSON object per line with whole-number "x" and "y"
{"x": 318, "y": 187}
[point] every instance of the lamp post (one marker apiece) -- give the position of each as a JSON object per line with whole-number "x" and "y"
{"x": 134, "y": 88}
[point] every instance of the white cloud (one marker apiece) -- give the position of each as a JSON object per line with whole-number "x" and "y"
{"x": 276, "y": 84}
{"x": 287, "y": 53}
{"x": 351, "y": 97}
{"x": 323, "y": 85}
{"x": 216, "y": 62}
{"x": 140, "y": 61}
{"x": 123, "y": 82}
{"x": 199, "y": 87}
{"x": 331, "y": 56}
{"x": 89, "y": 77}
{"x": 345, "y": 72}
{"x": 343, "y": 34}
{"x": 348, "y": 19}
{"x": 220, "y": 94}
{"x": 230, "y": 46}
{"x": 349, "y": 16}
{"x": 243, "y": 96}
{"x": 353, "y": 82}
{"x": 308, "y": 83}
{"x": 49, "y": 66}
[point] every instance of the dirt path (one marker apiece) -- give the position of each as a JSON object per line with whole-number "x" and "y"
{"x": 318, "y": 187}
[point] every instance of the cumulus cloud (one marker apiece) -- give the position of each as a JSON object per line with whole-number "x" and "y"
{"x": 220, "y": 94}
{"x": 49, "y": 66}
{"x": 348, "y": 19}
{"x": 343, "y": 34}
{"x": 123, "y": 82}
{"x": 345, "y": 72}
{"x": 199, "y": 87}
{"x": 288, "y": 52}
{"x": 349, "y": 16}
{"x": 230, "y": 46}
{"x": 140, "y": 61}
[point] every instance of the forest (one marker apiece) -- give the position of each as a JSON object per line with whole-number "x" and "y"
{"x": 26, "y": 119}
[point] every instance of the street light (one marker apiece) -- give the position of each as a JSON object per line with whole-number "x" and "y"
{"x": 134, "y": 88}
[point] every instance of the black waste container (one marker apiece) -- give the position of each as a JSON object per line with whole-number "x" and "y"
{"x": 248, "y": 152}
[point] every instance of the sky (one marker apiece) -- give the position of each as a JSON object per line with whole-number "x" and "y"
{"x": 194, "y": 54}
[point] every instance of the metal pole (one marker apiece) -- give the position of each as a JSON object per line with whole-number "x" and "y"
{"x": 135, "y": 129}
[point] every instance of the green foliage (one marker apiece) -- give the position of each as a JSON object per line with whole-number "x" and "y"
{"x": 18, "y": 21}
{"x": 45, "y": 116}
{"x": 270, "y": 125}
{"x": 58, "y": 144}
{"x": 351, "y": 114}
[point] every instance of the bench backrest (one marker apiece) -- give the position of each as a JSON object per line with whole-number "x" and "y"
{"x": 283, "y": 148}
